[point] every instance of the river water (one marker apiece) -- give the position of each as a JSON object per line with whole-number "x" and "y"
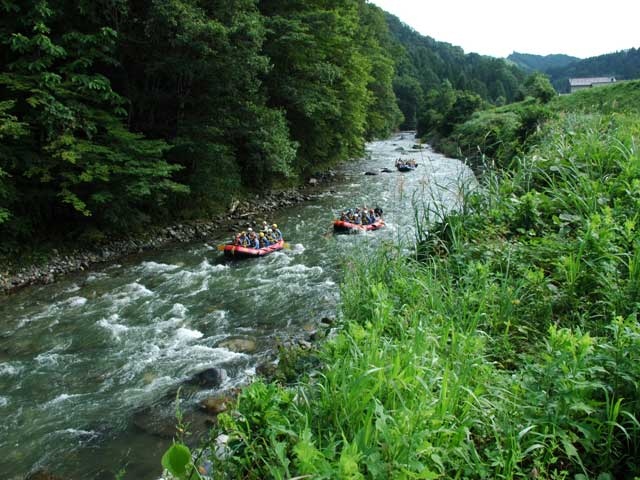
{"x": 89, "y": 365}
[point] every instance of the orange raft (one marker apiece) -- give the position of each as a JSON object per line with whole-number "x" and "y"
{"x": 237, "y": 251}
{"x": 341, "y": 226}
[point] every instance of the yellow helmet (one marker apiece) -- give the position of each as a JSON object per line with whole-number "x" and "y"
{"x": 274, "y": 225}
{"x": 261, "y": 234}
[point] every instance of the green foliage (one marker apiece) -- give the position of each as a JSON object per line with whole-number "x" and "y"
{"x": 444, "y": 108}
{"x": 322, "y": 77}
{"x": 541, "y": 63}
{"x": 539, "y": 87}
{"x": 424, "y": 64}
{"x": 176, "y": 460}
{"x": 622, "y": 97}
{"x": 624, "y": 65}
{"x": 68, "y": 151}
{"x": 507, "y": 348}
{"x": 170, "y": 109}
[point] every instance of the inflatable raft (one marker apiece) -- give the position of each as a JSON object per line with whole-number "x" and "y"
{"x": 341, "y": 226}
{"x": 406, "y": 168}
{"x": 236, "y": 251}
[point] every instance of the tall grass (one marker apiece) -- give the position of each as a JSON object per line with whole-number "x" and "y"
{"x": 507, "y": 347}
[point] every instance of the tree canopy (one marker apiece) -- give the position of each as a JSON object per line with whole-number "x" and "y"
{"x": 115, "y": 113}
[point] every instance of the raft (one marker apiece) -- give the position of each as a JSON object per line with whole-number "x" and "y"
{"x": 406, "y": 168}
{"x": 341, "y": 226}
{"x": 236, "y": 251}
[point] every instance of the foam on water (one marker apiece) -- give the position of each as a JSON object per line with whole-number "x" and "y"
{"x": 60, "y": 399}
{"x": 219, "y": 268}
{"x": 48, "y": 359}
{"x": 126, "y": 295}
{"x": 178, "y": 310}
{"x": 297, "y": 248}
{"x": 187, "y": 334}
{"x": 4, "y": 401}
{"x": 73, "y": 302}
{"x": 111, "y": 325}
{"x": 10, "y": 369}
{"x": 74, "y": 287}
{"x": 155, "y": 267}
{"x": 96, "y": 276}
{"x": 299, "y": 269}
{"x": 74, "y": 432}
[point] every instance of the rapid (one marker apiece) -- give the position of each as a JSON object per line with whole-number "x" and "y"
{"x": 90, "y": 365}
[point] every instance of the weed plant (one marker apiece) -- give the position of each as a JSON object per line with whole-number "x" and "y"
{"x": 507, "y": 347}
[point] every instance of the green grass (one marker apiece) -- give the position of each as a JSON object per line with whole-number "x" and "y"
{"x": 507, "y": 347}
{"x": 622, "y": 97}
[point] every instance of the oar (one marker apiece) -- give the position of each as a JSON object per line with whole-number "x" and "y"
{"x": 221, "y": 247}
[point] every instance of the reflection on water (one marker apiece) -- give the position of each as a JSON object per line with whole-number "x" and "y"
{"x": 89, "y": 365}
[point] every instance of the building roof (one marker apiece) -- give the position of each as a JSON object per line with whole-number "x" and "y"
{"x": 577, "y": 82}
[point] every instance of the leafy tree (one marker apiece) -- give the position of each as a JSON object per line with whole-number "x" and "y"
{"x": 319, "y": 76}
{"x": 538, "y": 86}
{"x": 383, "y": 114}
{"x": 74, "y": 155}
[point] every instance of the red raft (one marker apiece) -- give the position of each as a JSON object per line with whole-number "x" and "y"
{"x": 236, "y": 251}
{"x": 342, "y": 226}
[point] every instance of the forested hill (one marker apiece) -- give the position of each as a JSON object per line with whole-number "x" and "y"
{"x": 624, "y": 65}
{"x": 425, "y": 65}
{"x": 117, "y": 114}
{"x": 541, "y": 63}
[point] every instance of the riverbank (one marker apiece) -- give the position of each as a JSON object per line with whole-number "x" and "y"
{"x": 60, "y": 261}
{"x": 507, "y": 347}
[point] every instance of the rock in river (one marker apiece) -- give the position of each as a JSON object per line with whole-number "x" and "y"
{"x": 239, "y": 345}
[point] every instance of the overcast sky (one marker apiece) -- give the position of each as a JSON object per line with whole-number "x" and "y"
{"x": 581, "y": 28}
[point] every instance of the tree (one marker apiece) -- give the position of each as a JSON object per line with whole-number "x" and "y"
{"x": 74, "y": 155}
{"x": 538, "y": 86}
{"x": 319, "y": 77}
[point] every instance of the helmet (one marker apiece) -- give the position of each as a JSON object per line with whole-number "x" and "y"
{"x": 274, "y": 225}
{"x": 261, "y": 234}
{"x": 249, "y": 229}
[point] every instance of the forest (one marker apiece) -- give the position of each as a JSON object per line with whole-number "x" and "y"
{"x": 116, "y": 115}
{"x": 624, "y": 65}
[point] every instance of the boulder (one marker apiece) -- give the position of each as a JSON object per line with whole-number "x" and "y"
{"x": 239, "y": 345}
{"x": 210, "y": 378}
{"x": 215, "y": 405}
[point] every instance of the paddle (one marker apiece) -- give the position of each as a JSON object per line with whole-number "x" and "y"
{"x": 221, "y": 247}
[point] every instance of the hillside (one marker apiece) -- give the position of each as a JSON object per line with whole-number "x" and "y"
{"x": 617, "y": 98}
{"x": 541, "y": 63}
{"x": 624, "y": 65}
{"x": 425, "y": 64}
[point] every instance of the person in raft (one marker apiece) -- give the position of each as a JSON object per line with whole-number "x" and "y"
{"x": 253, "y": 240}
{"x": 276, "y": 233}
{"x": 264, "y": 241}
{"x": 361, "y": 216}
{"x": 241, "y": 239}
{"x": 267, "y": 236}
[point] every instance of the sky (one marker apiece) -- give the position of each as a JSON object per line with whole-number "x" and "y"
{"x": 580, "y": 28}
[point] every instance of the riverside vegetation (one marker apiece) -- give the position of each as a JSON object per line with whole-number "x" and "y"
{"x": 507, "y": 346}
{"x": 116, "y": 115}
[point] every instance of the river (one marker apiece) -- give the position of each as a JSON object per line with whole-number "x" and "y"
{"x": 89, "y": 365}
